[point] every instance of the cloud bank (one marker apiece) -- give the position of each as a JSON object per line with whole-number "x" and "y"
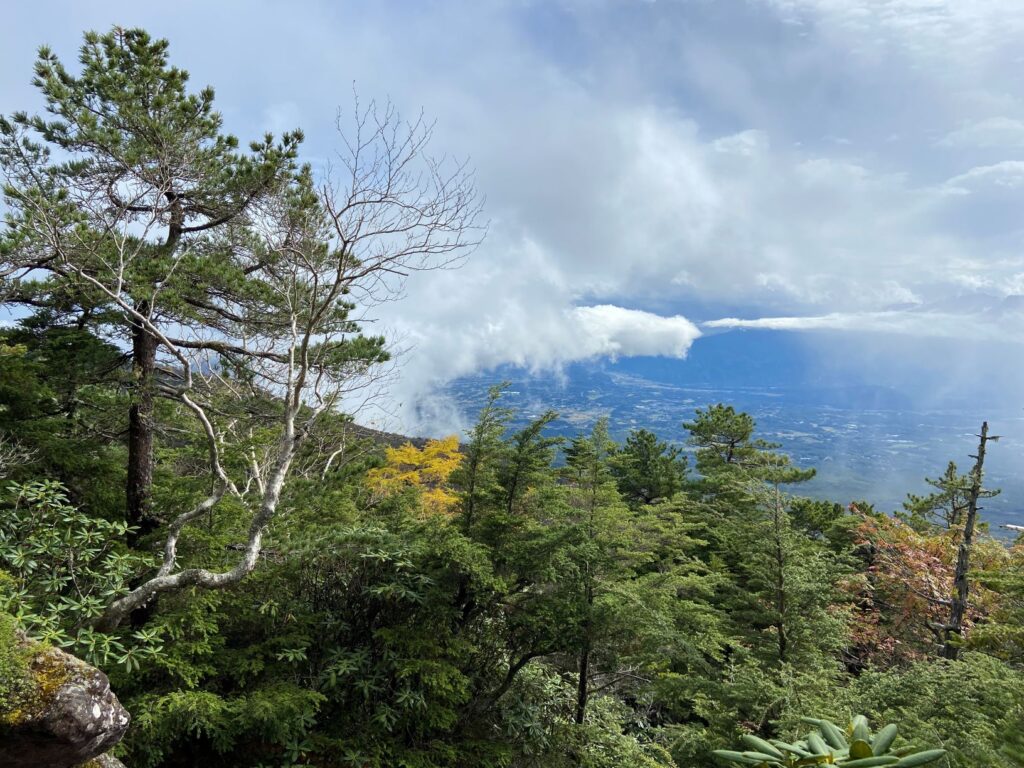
{"x": 541, "y": 337}
{"x": 1004, "y": 327}
{"x": 851, "y": 165}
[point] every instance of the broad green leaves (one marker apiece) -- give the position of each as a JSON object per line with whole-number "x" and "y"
{"x": 856, "y": 747}
{"x": 61, "y": 567}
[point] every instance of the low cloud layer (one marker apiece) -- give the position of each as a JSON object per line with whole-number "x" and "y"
{"x": 547, "y": 340}
{"x": 967, "y": 326}
{"x": 611, "y": 331}
{"x": 543, "y": 338}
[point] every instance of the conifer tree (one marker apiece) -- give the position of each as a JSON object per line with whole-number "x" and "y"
{"x": 726, "y": 448}
{"x": 648, "y": 469}
{"x": 945, "y": 508}
{"x": 787, "y": 581}
{"x": 114, "y": 190}
{"x": 477, "y": 475}
{"x": 527, "y": 457}
{"x": 1003, "y": 634}
{"x": 595, "y": 517}
{"x": 722, "y": 437}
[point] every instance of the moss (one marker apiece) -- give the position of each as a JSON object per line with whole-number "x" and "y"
{"x": 15, "y": 676}
{"x": 30, "y": 675}
{"x": 103, "y": 761}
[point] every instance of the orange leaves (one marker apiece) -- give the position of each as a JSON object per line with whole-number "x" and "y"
{"x": 903, "y": 596}
{"x": 427, "y": 468}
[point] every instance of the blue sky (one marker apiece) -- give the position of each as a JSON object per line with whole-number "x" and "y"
{"x": 850, "y": 171}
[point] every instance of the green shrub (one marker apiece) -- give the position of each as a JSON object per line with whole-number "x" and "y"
{"x": 64, "y": 567}
{"x": 827, "y": 744}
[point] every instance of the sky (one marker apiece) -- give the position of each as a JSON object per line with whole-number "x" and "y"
{"x": 656, "y": 173}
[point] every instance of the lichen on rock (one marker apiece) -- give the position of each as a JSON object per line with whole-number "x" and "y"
{"x": 57, "y": 711}
{"x": 103, "y": 761}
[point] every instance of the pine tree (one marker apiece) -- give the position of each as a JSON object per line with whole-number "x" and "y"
{"x": 727, "y": 450}
{"x": 722, "y": 437}
{"x": 648, "y": 469}
{"x": 946, "y": 508}
{"x": 118, "y": 186}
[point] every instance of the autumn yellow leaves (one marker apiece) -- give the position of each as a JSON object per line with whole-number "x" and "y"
{"x": 426, "y": 469}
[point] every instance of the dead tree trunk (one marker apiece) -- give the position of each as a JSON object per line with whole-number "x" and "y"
{"x": 954, "y": 629}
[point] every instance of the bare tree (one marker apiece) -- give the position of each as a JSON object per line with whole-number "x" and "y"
{"x": 305, "y": 263}
{"x": 12, "y": 454}
{"x": 961, "y": 585}
{"x": 394, "y": 208}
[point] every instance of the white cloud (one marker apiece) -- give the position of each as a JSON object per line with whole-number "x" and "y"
{"x": 1007, "y": 173}
{"x": 958, "y": 32}
{"x": 612, "y": 331}
{"x": 892, "y": 292}
{"x": 746, "y": 143}
{"x": 1004, "y": 326}
{"x": 539, "y": 335}
{"x": 992, "y": 132}
{"x": 666, "y": 157}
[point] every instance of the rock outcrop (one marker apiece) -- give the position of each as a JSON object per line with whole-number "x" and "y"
{"x": 104, "y": 761}
{"x": 64, "y": 715}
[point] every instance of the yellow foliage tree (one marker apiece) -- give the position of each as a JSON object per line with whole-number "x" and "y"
{"x": 427, "y": 468}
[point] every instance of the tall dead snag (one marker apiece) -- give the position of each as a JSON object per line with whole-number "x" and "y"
{"x": 961, "y": 585}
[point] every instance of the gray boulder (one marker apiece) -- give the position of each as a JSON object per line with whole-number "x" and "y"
{"x": 66, "y": 717}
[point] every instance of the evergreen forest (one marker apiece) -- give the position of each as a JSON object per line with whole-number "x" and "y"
{"x": 189, "y": 503}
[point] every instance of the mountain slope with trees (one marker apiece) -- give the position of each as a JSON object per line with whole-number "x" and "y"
{"x": 188, "y": 504}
